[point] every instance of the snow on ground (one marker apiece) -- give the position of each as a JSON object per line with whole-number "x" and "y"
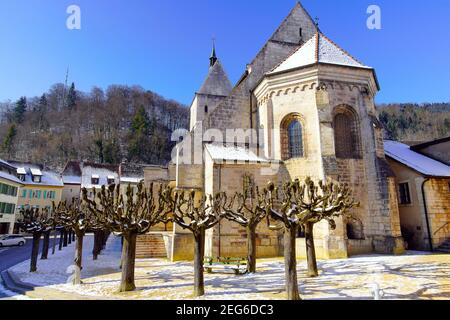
{"x": 11, "y": 295}
{"x": 411, "y": 276}
{"x": 53, "y": 270}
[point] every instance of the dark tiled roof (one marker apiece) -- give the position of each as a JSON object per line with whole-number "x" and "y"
{"x": 72, "y": 168}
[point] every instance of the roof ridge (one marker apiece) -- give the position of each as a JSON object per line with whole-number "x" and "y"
{"x": 297, "y": 5}
{"x": 341, "y": 49}
{"x": 290, "y": 55}
{"x": 317, "y": 53}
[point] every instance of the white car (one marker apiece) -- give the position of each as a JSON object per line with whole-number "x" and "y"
{"x": 12, "y": 240}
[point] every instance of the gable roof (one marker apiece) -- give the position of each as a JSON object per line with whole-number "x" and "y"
{"x": 10, "y": 177}
{"x": 430, "y": 143}
{"x": 416, "y": 161}
{"x": 217, "y": 82}
{"x": 319, "y": 49}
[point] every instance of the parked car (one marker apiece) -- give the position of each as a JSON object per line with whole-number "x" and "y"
{"x": 12, "y": 240}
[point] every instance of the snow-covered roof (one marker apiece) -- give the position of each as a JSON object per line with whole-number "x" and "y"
{"x": 36, "y": 172}
{"x": 134, "y": 180}
{"x": 98, "y": 171}
{"x": 9, "y": 177}
{"x": 319, "y": 49}
{"x": 71, "y": 179}
{"x": 416, "y": 161}
{"x": 21, "y": 171}
{"x": 232, "y": 153}
{"x": 47, "y": 179}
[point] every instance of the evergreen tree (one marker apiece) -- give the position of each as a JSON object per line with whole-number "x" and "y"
{"x": 99, "y": 145}
{"x": 139, "y": 137}
{"x": 41, "y": 112}
{"x": 20, "y": 109}
{"x": 9, "y": 138}
{"x": 72, "y": 97}
{"x": 111, "y": 152}
{"x": 43, "y": 102}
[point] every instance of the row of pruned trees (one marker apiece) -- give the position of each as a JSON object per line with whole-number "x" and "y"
{"x": 69, "y": 220}
{"x": 287, "y": 208}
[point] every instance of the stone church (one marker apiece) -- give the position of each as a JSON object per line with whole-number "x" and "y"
{"x": 303, "y": 107}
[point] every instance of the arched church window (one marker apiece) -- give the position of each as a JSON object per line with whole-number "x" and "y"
{"x": 292, "y": 138}
{"x": 346, "y": 134}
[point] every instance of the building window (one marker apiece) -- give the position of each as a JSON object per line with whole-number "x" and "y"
{"x": 37, "y": 179}
{"x": 206, "y": 109}
{"x": 346, "y": 134}
{"x": 405, "y": 196}
{"x": 292, "y": 138}
{"x": 24, "y": 193}
{"x": 7, "y": 208}
{"x": 111, "y": 180}
{"x": 8, "y": 190}
{"x": 95, "y": 180}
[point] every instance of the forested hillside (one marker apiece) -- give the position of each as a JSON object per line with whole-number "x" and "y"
{"x": 415, "y": 122}
{"x": 122, "y": 123}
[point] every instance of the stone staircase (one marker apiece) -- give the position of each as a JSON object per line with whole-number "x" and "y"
{"x": 444, "y": 247}
{"x": 151, "y": 245}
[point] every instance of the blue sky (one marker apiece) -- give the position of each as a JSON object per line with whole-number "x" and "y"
{"x": 164, "y": 45}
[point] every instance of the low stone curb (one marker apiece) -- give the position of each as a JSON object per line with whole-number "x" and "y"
{"x": 13, "y": 283}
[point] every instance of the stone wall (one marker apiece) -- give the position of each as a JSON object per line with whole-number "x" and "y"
{"x": 228, "y": 238}
{"x": 438, "y": 203}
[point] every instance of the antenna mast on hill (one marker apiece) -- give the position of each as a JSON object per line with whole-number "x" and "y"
{"x": 64, "y": 91}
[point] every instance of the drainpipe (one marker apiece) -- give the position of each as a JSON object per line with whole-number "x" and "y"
{"x": 220, "y": 188}
{"x": 430, "y": 239}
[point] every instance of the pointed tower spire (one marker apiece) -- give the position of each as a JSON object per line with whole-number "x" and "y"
{"x": 213, "y": 58}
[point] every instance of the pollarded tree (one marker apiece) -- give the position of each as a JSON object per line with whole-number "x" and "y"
{"x": 128, "y": 218}
{"x": 35, "y": 222}
{"x": 197, "y": 217}
{"x": 326, "y": 200}
{"x": 73, "y": 217}
{"x": 284, "y": 210}
{"x": 248, "y": 212}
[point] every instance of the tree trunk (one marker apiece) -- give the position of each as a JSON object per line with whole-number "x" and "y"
{"x": 96, "y": 249}
{"x": 65, "y": 238}
{"x": 55, "y": 236}
{"x": 199, "y": 256}
{"x": 61, "y": 237}
{"x": 251, "y": 249}
{"x": 35, "y": 251}
{"x": 311, "y": 251}
{"x": 290, "y": 262}
{"x": 46, "y": 245}
{"x": 128, "y": 260}
{"x": 79, "y": 254}
{"x": 69, "y": 236}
